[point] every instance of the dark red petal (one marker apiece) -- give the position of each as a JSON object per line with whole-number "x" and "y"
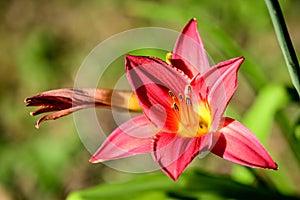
{"x": 217, "y": 86}
{"x": 58, "y": 114}
{"x": 238, "y": 144}
{"x": 183, "y": 66}
{"x": 189, "y": 48}
{"x": 173, "y": 153}
{"x": 131, "y": 138}
{"x": 151, "y": 80}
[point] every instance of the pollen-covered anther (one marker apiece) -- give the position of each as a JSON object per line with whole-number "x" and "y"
{"x": 172, "y": 95}
{"x": 168, "y": 57}
{"x": 175, "y": 106}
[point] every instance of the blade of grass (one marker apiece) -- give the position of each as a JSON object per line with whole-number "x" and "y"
{"x": 285, "y": 42}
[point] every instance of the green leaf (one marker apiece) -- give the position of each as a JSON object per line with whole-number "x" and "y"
{"x": 142, "y": 187}
{"x": 260, "y": 116}
{"x": 191, "y": 185}
{"x": 228, "y": 188}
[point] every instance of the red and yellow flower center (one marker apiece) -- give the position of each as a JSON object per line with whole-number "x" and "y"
{"x": 194, "y": 116}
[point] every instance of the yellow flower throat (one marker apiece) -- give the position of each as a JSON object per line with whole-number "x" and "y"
{"x": 194, "y": 117}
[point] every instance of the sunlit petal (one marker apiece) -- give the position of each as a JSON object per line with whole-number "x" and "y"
{"x": 173, "y": 153}
{"x": 190, "y": 49}
{"x": 131, "y": 138}
{"x": 238, "y": 144}
{"x": 151, "y": 80}
{"x": 217, "y": 87}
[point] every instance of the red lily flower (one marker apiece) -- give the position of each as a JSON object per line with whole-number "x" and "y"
{"x": 183, "y": 100}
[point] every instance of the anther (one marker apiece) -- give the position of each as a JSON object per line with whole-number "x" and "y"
{"x": 188, "y": 101}
{"x": 180, "y": 97}
{"x": 175, "y": 106}
{"x": 172, "y": 95}
{"x": 187, "y": 90}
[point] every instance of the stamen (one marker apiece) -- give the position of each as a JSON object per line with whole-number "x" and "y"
{"x": 175, "y": 107}
{"x": 193, "y": 116}
{"x": 176, "y": 110}
{"x": 188, "y": 101}
{"x": 187, "y": 109}
{"x": 187, "y": 90}
{"x": 180, "y": 97}
{"x": 172, "y": 95}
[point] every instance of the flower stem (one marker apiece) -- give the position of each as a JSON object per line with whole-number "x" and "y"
{"x": 285, "y": 42}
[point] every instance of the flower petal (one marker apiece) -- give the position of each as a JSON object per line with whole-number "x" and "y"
{"x": 190, "y": 49}
{"x": 217, "y": 87}
{"x": 131, "y": 138}
{"x": 57, "y": 114}
{"x": 151, "y": 80}
{"x": 173, "y": 153}
{"x": 184, "y": 67}
{"x": 238, "y": 144}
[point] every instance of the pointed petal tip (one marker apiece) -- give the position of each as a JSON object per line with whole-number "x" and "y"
{"x": 193, "y": 20}
{"x": 37, "y": 125}
{"x": 129, "y": 57}
{"x": 241, "y": 58}
{"x": 273, "y": 166}
{"x": 95, "y": 160}
{"x": 175, "y": 178}
{"x": 174, "y": 153}
{"x": 130, "y": 60}
{"x": 238, "y": 60}
{"x": 276, "y": 166}
{"x": 27, "y": 101}
{"x": 238, "y": 144}
{"x": 172, "y": 176}
{"x": 269, "y": 166}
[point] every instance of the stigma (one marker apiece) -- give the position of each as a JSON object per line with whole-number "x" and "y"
{"x": 192, "y": 113}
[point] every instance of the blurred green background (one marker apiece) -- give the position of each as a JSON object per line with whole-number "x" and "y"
{"x": 42, "y": 46}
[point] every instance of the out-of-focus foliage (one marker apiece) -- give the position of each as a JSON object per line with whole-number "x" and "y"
{"x": 158, "y": 186}
{"x": 42, "y": 47}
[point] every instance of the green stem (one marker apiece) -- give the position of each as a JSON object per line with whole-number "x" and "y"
{"x": 285, "y": 42}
